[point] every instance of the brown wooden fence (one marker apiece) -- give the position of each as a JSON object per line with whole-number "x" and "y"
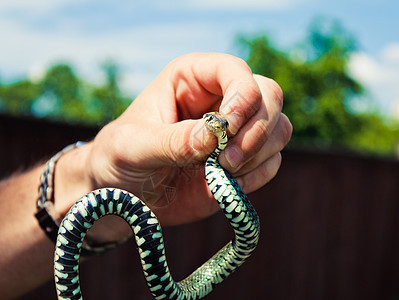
{"x": 330, "y": 228}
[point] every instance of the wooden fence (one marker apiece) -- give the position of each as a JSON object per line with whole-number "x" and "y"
{"x": 330, "y": 228}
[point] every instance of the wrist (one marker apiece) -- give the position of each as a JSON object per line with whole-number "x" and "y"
{"x": 65, "y": 180}
{"x": 71, "y": 179}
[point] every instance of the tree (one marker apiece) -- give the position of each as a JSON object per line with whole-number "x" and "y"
{"x": 17, "y": 99}
{"x": 109, "y": 96}
{"x": 62, "y": 96}
{"x": 61, "y": 87}
{"x": 318, "y": 93}
{"x": 318, "y": 90}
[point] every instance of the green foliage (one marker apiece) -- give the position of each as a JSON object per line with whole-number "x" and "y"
{"x": 61, "y": 95}
{"x": 319, "y": 91}
{"x": 17, "y": 98}
{"x": 109, "y": 96}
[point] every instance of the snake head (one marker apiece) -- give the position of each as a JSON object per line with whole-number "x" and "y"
{"x": 215, "y": 122}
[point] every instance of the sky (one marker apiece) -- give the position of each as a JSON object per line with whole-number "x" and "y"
{"x": 142, "y": 37}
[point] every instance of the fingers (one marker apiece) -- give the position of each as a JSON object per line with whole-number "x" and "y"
{"x": 261, "y": 175}
{"x": 253, "y": 155}
{"x": 277, "y": 141}
{"x": 198, "y": 83}
{"x": 242, "y": 100}
{"x": 204, "y": 82}
{"x": 265, "y": 164}
{"x": 184, "y": 143}
{"x": 254, "y": 134}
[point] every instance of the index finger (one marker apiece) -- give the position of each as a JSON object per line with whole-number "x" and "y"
{"x": 233, "y": 79}
{"x": 218, "y": 81}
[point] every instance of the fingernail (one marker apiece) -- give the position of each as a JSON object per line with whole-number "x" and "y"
{"x": 233, "y": 156}
{"x": 197, "y": 138}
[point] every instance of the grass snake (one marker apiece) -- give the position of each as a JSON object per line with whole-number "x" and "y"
{"x": 148, "y": 235}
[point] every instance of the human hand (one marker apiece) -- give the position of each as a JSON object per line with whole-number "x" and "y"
{"x": 155, "y": 149}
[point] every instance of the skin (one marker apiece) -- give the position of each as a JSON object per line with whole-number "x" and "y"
{"x": 157, "y": 145}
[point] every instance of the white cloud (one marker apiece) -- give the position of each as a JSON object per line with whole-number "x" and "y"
{"x": 141, "y": 51}
{"x": 33, "y": 7}
{"x": 228, "y": 5}
{"x": 390, "y": 53}
{"x": 379, "y": 75}
{"x": 143, "y": 47}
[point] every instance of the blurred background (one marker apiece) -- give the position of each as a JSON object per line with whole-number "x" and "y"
{"x": 84, "y": 61}
{"x": 329, "y": 219}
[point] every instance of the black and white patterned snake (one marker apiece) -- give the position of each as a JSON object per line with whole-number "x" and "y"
{"x": 147, "y": 231}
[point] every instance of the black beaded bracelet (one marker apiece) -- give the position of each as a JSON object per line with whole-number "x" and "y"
{"x": 46, "y": 213}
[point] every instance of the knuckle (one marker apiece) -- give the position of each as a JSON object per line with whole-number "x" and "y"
{"x": 245, "y": 101}
{"x": 254, "y": 92}
{"x": 239, "y": 62}
{"x": 269, "y": 169}
{"x": 262, "y": 174}
{"x": 272, "y": 90}
{"x": 287, "y": 129}
{"x": 262, "y": 131}
{"x": 277, "y": 92}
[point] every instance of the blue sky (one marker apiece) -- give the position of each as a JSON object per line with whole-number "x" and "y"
{"x": 143, "y": 36}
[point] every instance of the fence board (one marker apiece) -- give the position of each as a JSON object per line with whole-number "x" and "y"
{"x": 329, "y": 228}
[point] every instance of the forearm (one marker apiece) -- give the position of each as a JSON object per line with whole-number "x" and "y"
{"x": 25, "y": 251}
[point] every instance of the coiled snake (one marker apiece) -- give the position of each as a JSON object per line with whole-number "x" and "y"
{"x": 147, "y": 230}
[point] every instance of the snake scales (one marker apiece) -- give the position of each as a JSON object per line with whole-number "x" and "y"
{"x": 147, "y": 230}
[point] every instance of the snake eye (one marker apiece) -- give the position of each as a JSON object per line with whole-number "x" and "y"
{"x": 215, "y": 122}
{"x": 208, "y": 116}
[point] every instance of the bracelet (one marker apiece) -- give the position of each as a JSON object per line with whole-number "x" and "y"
{"x": 46, "y": 213}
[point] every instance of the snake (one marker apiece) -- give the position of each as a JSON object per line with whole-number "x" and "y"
{"x": 148, "y": 235}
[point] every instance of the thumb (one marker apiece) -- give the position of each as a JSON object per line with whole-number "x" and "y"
{"x": 186, "y": 142}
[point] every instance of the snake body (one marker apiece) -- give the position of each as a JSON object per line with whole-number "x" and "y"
{"x": 148, "y": 235}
